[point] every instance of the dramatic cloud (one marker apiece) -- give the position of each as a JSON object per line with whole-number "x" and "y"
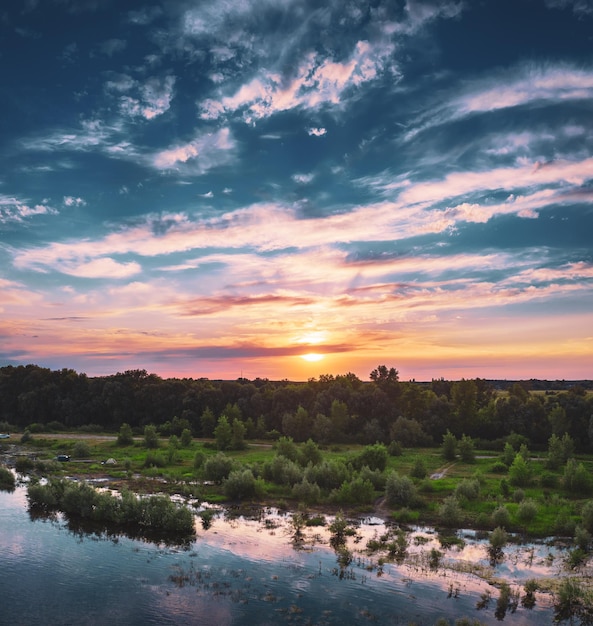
{"x": 201, "y": 188}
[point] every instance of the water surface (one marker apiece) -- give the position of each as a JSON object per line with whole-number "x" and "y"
{"x": 248, "y": 570}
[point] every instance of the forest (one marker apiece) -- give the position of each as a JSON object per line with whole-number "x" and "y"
{"x": 329, "y": 409}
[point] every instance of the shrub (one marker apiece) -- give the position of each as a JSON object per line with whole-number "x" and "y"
{"x": 199, "y": 459}
{"x": 285, "y": 446}
{"x": 499, "y": 468}
{"x": 306, "y": 492}
{"x": 399, "y": 490}
{"x": 508, "y": 454}
{"x": 355, "y": 491}
{"x": 548, "y": 480}
{"x": 587, "y": 515}
{"x": 419, "y": 469}
{"x": 576, "y": 478}
{"x": 241, "y": 484}
{"x": 564, "y": 525}
{"x": 449, "y": 446}
{"x": 309, "y": 452}
{"x": 450, "y": 513}
{"x": 81, "y": 450}
{"x": 7, "y": 481}
{"x": 501, "y": 516}
{"x": 498, "y": 538}
{"x": 218, "y": 467}
{"x": 186, "y": 438}
{"x": 465, "y": 448}
{"x": 153, "y": 459}
{"x": 223, "y": 433}
{"x": 151, "y": 438}
{"x": 395, "y": 449}
{"x": 520, "y": 471}
{"x": 518, "y": 495}
{"x": 468, "y": 489}
{"x": 375, "y": 457}
{"x": 23, "y": 464}
{"x": 125, "y": 436}
{"x": 283, "y": 471}
{"x": 328, "y": 474}
{"x": 376, "y": 477}
{"x": 582, "y": 538}
{"x": 527, "y": 511}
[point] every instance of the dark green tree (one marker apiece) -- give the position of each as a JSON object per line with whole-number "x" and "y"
{"x": 151, "y": 438}
{"x": 125, "y": 437}
{"x": 223, "y": 433}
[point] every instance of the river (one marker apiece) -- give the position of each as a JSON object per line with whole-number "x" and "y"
{"x": 248, "y": 570}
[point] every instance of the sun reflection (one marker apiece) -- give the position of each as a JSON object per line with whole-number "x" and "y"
{"x": 312, "y": 357}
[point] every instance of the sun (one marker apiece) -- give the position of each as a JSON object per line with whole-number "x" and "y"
{"x": 312, "y": 357}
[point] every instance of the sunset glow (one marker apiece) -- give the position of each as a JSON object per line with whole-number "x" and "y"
{"x": 312, "y": 357}
{"x": 236, "y": 189}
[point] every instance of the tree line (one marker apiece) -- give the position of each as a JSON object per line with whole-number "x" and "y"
{"x": 329, "y": 409}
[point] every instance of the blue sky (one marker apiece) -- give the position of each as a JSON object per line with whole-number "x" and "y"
{"x": 283, "y": 188}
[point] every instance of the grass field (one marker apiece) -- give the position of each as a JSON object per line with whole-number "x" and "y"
{"x": 481, "y": 488}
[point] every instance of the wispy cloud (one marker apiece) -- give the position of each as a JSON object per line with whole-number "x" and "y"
{"x": 526, "y": 85}
{"x": 204, "y": 152}
{"x": 13, "y": 209}
{"x": 317, "y": 82}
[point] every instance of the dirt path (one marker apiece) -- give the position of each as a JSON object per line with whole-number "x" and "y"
{"x": 442, "y": 471}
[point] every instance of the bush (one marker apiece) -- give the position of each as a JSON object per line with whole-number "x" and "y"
{"x": 395, "y": 449}
{"x": 449, "y": 446}
{"x": 498, "y": 538}
{"x": 309, "y": 452}
{"x": 468, "y": 489}
{"x": 375, "y": 457}
{"x": 582, "y": 538}
{"x": 499, "y": 468}
{"x": 306, "y": 492}
{"x": 419, "y": 469}
{"x": 285, "y": 446}
{"x": 576, "y": 478}
{"x": 356, "y": 491}
{"x": 7, "y": 481}
{"x": 375, "y": 477}
{"x": 399, "y": 490}
{"x": 501, "y": 516}
{"x": 548, "y": 480}
{"x": 218, "y": 467}
{"x": 186, "y": 437}
{"x": 527, "y": 511}
{"x": 328, "y": 474}
{"x": 282, "y": 471}
{"x": 465, "y": 448}
{"x": 587, "y": 515}
{"x": 153, "y": 459}
{"x": 520, "y": 471}
{"x": 81, "y": 450}
{"x": 450, "y": 513}
{"x": 125, "y": 436}
{"x": 151, "y": 438}
{"x": 199, "y": 459}
{"x": 23, "y": 464}
{"x": 241, "y": 484}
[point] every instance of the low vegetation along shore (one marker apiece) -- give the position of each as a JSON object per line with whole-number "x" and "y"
{"x": 454, "y": 485}
{"x": 505, "y": 493}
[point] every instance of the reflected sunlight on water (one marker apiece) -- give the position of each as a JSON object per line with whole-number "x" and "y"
{"x": 248, "y": 570}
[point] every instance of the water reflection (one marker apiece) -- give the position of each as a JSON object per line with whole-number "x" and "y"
{"x": 245, "y": 567}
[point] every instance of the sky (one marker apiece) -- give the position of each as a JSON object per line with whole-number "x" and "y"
{"x": 288, "y": 188}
